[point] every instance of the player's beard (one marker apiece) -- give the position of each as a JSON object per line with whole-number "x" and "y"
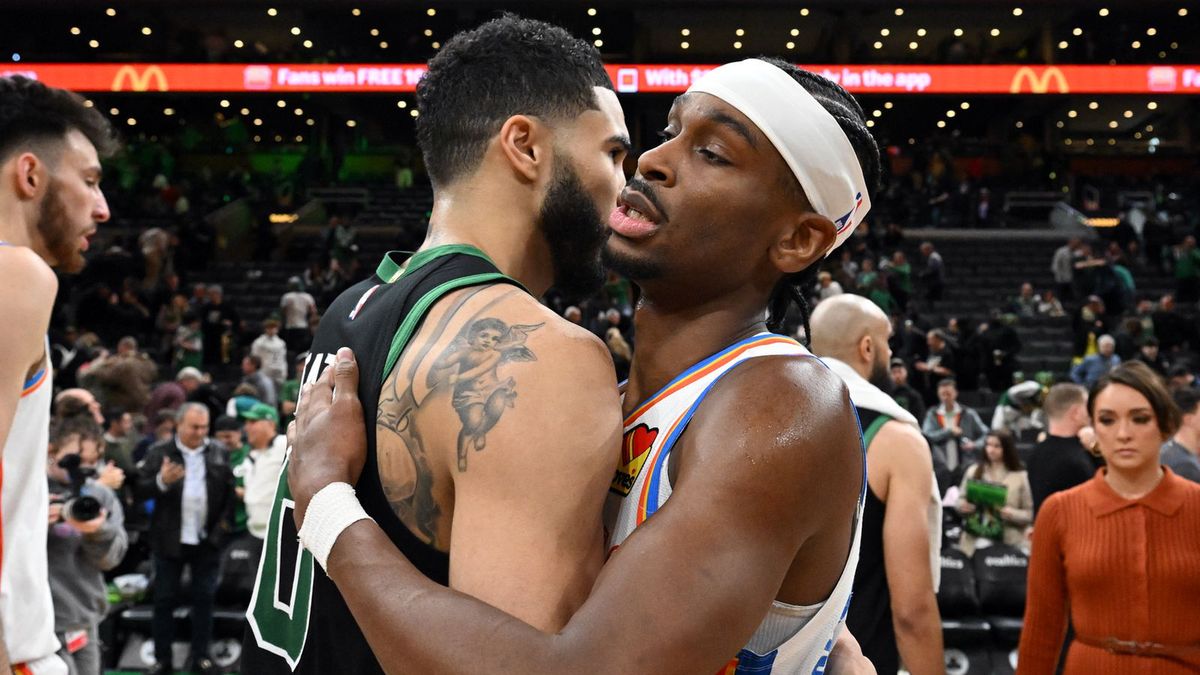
{"x": 574, "y": 232}
{"x": 58, "y": 235}
{"x": 881, "y": 375}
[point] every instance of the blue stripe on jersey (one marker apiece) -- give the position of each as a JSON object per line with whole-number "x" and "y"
{"x": 749, "y": 662}
{"x": 705, "y": 362}
{"x": 34, "y": 380}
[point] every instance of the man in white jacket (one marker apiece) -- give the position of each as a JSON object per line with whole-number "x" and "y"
{"x": 259, "y": 472}
{"x": 894, "y": 615}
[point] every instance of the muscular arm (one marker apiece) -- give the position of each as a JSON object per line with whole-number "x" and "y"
{"x": 908, "y": 472}
{"x": 527, "y": 531}
{"x": 27, "y": 290}
{"x": 514, "y": 462}
{"x": 772, "y": 469}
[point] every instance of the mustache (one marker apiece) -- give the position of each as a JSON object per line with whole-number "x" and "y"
{"x": 638, "y": 185}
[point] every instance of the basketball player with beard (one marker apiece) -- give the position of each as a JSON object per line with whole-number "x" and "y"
{"x": 50, "y": 205}
{"x": 894, "y": 615}
{"x": 474, "y": 474}
{"x": 734, "y": 513}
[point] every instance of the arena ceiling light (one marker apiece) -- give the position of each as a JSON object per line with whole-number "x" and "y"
{"x": 1183, "y": 11}
{"x": 1063, "y": 44}
{"x": 684, "y": 45}
{"x": 899, "y": 11}
{"x": 431, "y": 12}
{"x": 591, "y": 11}
{"x": 1017, "y": 11}
{"x": 356, "y": 12}
{"x": 1103, "y": 12}
{"x": 110, "y": 11}
{"x": 75, "y": 30}
{"x": 804, "y": 11}
{"x": 1151, "y": 31}
{"x": 887, "y": 105}
{"x": 958, "y": 32}
{"x": 1077, "y": 32}
{"x": 920, "y": 32}
{"x": 1151, "y": 105}
{"x": 737, "y": 45}
{"x": 271, "y": 11}
{"x": 239, "y": 44}
{"x": 685, "y": 32}
{"x": 878, "y": 45}
{"x": 885, "y": 32}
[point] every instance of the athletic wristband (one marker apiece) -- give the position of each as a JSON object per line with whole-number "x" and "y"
{"x": 330, "y": 512}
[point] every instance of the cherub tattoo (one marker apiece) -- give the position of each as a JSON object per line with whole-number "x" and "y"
{"x": 470, "y": 364}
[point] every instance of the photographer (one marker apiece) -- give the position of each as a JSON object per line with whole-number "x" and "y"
{"x": 86, "y": 538}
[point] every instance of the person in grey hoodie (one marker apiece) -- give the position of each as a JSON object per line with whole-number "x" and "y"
{"x": 79, "y": 552}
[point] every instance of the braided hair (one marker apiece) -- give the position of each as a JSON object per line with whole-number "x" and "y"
{"x": 849, "y": 115}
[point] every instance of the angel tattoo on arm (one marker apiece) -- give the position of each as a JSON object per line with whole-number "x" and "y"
{"x": 469, "y": 364}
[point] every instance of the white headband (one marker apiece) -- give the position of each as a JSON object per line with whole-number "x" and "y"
{"x": 805, "y": 134}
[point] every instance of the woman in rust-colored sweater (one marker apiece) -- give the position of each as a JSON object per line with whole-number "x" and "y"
{"x": 1121, "y": 552}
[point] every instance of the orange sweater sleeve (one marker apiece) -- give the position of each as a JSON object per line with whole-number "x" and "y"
{"x": 1046, "y": 598}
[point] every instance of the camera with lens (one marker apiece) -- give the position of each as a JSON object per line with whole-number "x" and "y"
{"x": 79, "y": 505}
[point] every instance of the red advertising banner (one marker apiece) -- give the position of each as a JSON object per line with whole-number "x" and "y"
{"x": 633, "y": 78}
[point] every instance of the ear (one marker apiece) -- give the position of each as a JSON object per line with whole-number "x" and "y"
{"x": 523, "y": 144}
{"x": 804, "y": 240}
{"x": 30, "y": 175}
{"x": 866, "y": 349}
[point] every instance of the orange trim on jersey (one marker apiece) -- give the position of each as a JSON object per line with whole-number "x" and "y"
{"x": 22, "y": 669}
{"x": 37, "y": 382}
{"x": 730, "y": 668}
{"x": 716, "y": 363}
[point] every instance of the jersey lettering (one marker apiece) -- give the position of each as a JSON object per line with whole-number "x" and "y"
{"x": 282, "y": 601}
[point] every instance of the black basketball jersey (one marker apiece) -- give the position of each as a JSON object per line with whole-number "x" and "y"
{"x": 298, "y": 620}
{"x": 870, "y": 617}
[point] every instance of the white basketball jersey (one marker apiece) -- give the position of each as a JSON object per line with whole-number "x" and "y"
{"x": 25, "y": 604}
{"x": 790, "y": 639}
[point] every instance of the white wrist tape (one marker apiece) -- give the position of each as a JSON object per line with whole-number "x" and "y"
{"x": 331, "y": 511}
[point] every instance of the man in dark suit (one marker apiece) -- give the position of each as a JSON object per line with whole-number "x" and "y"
{"x": 192, "y": 486}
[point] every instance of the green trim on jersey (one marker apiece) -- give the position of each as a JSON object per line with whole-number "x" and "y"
{"x": 391, "y": 271}
{"x": 873, "y": 428}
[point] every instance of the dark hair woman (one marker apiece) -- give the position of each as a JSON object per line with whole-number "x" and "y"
{"x": 1120, "y": 554}
{"x": 1000, "y": 523}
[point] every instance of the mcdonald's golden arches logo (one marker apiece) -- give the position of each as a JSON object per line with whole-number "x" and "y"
{"x": 139, "y": 81}
{"x": 1039, "y": 85}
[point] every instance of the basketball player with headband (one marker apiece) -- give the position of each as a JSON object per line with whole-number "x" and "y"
{"x": 733, "y": 517}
